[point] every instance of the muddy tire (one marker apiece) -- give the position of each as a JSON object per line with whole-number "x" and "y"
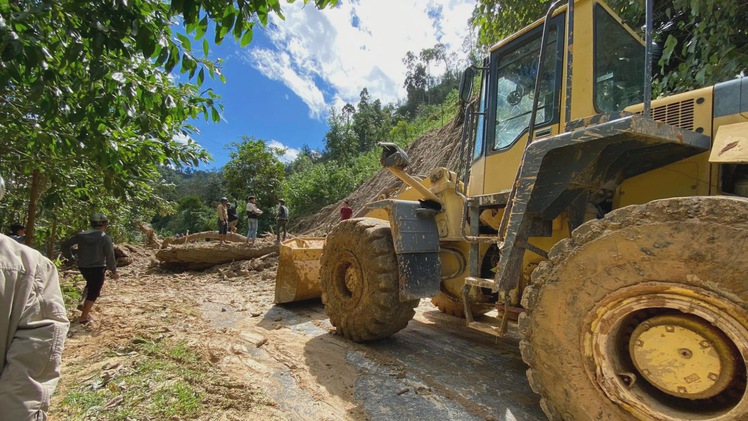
{"x": 453, "y": 306}
{"x": 644, "y": 315}
{"x": 359, "y": 277}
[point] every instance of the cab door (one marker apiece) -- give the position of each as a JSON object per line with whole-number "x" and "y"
{"x": 510, "y": 89}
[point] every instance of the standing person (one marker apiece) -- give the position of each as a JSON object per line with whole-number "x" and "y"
{"x": 95, "y": 255}
{"x": 253, "y": 212}
{"x": 18, "y": 233}
{"x": 282, "y": 219}
{"x": 33, "y": 327}
{"x": 233, "y": 215}
{"x": 346, "y": 212}
{"x": 223, "y": 220}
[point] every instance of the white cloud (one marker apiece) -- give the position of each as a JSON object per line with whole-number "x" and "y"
{"x": 290, "y": 154}
{"x": 182, "y": 138}
{"x": 327, "y": 57}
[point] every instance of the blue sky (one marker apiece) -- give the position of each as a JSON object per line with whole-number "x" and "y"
{"x": 280, "y": 88}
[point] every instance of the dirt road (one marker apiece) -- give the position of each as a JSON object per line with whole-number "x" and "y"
{"x": 285, "y": 362}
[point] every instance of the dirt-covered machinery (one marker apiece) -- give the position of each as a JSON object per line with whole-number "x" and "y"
{"x": 614, "y": 231}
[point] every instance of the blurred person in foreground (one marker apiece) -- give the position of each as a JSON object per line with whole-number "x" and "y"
{"x": 94, "y": 256}
{"x": 33, "y": 327}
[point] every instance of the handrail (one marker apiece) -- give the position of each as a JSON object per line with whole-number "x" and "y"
{"x": 648, "y": 61}
{"x": 535, "y": 100}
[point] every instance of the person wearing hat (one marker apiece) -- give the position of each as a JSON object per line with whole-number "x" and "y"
{"x": 253, "y": 212}
{"x": 281, "y": 219}
{"x": 18, "y": 232}
{"x": 223, "y": 220}
{"x": 95, "y": 255}
{"x": 33, "y": 328}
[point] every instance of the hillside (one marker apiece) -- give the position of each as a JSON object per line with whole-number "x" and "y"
{"x": 437, "y": 148}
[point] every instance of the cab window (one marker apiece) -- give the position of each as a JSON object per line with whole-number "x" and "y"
{"x": 619, "y": 64}
{"x": 515, "y": 85}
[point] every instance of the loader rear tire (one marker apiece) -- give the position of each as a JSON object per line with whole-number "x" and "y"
{"x": 455, "y": 307}
{"x": 449, "y": 300}
{"x": 359, "y": 277}
{"x": 644, "y": 315}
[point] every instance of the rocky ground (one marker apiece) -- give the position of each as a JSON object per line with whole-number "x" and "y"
{"x": 211, "y": 345}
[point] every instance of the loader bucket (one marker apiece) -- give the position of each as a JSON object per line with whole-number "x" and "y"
{"x": 297, "y": 278}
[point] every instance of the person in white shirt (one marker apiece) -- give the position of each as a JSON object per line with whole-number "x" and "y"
{"x": 253, "y": 212}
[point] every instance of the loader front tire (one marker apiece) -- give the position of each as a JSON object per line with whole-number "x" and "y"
{"x": 644, "y": 315}
{"x": 359, "y": 277}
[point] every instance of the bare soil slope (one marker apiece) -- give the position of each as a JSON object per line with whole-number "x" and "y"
{"x": 437, "y": 148}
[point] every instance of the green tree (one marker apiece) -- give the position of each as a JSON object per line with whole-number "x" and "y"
{"x": 86, "y": 106}
{"x": 340, "y": 139}
{"x": 192, "y": 215}
{"x": 416, "y": 84}
{"x": 254, "y": 169}
{"x": 371, "y": 122}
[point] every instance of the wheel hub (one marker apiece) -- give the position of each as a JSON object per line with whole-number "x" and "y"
{"x": 348, "y": 280}
{"x": 352, "y": 279}
{"x": 668, "y": 352}
{"x": 683, "y": 356}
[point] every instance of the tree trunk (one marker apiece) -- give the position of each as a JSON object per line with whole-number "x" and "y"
{"x": 205, "y": 235}
{"x": 51, "y": 240}
{"x": 150, "y": 239}
{"x": 202, "y": 255}
{"x": 34, "y": 195}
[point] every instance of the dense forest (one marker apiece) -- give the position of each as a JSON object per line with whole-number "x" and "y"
{"x": 67, "y": 64}
{"x": 315, "y": 178}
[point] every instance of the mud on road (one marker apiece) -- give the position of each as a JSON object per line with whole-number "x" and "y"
{"x": 284, "y": 362}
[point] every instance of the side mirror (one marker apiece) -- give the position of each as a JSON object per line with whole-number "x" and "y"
{"x": 466, "y": 84}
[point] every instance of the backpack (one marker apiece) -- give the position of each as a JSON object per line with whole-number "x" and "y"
{"x": 282, "y": 212}
{"x": 231, "y": 212}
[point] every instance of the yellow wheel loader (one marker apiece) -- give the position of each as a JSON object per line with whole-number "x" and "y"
{"x": 612, "y": 227}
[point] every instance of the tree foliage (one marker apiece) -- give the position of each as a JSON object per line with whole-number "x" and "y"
{"x": 704, "y": 41}
{"x": 254, "y": 169}
{"x": 88, "y": 112}
{"x": 423, "y": 86}
{"x": 316, "y": 179}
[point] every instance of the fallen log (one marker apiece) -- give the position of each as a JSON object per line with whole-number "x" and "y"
{"x": 202, "y": 255}
{"x": 205, "y": 235}
{"x": 122, "y": 255}
{"x": 150, "y": 239}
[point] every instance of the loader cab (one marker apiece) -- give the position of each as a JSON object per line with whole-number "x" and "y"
{"x": 606, "y": 77}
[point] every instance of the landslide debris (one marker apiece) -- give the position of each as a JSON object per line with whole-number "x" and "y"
{"x": 437, "y": 148}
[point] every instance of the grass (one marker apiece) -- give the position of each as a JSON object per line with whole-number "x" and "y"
{"x": 70, "y": 293}
{"x": 159, "y": 379}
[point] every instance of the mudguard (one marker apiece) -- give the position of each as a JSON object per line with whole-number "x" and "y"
{"x": 416, "y": 240}
{"x": 557, "y": 171}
